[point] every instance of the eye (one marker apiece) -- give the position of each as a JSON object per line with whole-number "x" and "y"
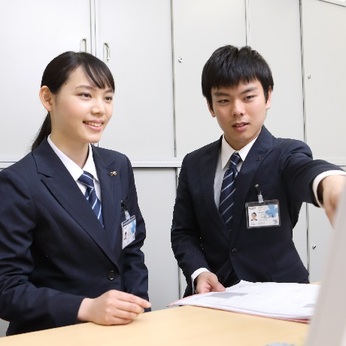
{"x": 85, "y": 95}
{"x": 222, "y": 101}
{"x": 249, "y": 97}
{"x": 109, "y": 98}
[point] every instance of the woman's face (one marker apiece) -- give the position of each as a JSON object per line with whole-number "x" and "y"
{"x": 79, "y": 112}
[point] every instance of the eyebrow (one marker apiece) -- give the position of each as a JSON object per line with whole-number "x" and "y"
{"x": 249, "y": 89}
{"x": 91, "y": 87}
{"x": 245, "y": 91}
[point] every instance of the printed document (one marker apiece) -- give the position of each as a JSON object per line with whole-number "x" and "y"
{"x": 289, "y": 301}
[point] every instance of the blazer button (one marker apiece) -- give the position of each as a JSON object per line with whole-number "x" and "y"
{"x": 234, "y": 251}
{"x": 111, "y": 275}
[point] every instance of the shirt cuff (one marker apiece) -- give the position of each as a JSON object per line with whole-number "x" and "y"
{"x": 194, "y": 276}
{"x": 319, "y": 178}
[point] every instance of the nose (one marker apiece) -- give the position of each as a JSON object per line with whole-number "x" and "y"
{"x": 98, "y": 107}
{"x": 238, "y": 108}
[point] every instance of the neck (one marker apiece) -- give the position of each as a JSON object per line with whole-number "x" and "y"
{"x": 78, "y": 153}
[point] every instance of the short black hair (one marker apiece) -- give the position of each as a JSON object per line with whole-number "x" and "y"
{"x": 228, "y": 66}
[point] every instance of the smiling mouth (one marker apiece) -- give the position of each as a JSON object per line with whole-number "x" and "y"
{"x": 93, "y": 124}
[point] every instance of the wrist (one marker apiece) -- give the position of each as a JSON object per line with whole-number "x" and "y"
{"x": 83, "y": 312}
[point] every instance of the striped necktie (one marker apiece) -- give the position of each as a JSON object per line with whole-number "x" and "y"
{"x": 90, "y": 194}
{"x": 228, "y": 190}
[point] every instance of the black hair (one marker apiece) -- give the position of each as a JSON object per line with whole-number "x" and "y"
{"x": 58, "y": 71}
{"x": 228, "y": 66}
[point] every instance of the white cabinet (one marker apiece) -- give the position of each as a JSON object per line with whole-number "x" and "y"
{"x": 31, "y": 34}
{"x": 134, "y": 38}
{"x": 274, "y": 30}
{"x": 199, "y": 27}
{"x": 324, "y": 42}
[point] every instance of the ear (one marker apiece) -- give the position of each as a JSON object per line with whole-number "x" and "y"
{"x": 269, "y": 98}
{"x": 46, "y": 98}
{"x": 211, "y": 110}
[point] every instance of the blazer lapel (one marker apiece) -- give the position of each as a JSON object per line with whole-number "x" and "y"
{"x": 208, "y": 164}
{"x": 246, "y": 175}
{"x": 65, "y": 190}
{"x": 111, "y": 196}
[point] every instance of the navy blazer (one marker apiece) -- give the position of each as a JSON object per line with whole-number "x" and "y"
{"x": 53, "y": 250}
{"x": 284, "y": 170}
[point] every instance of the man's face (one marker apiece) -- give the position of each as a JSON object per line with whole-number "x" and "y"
{"x": 240, "y": 111}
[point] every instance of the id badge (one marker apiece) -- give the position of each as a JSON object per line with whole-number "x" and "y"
{"x": 129, "y": 230}
{"x": 263, "y": 214}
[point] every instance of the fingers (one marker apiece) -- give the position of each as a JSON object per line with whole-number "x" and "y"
{"x": 208, "y": 282}
{"x": 129, "y": 299}
{"x": 218, "y": 287}
{"x": 112, "y": 307}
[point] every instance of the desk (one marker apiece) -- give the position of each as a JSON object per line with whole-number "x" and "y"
{"x": 187, "y": 325}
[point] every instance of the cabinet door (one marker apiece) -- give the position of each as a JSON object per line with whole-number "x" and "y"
{"x": 200, "y": 26}
{"x": 134, "y": 38}
{"x": 324, "y": 41}
{"x": 283, "y": 53}
{"x": 31, "y": 34}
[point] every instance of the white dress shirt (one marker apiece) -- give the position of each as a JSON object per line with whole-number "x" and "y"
{"x": 76, "y": 171}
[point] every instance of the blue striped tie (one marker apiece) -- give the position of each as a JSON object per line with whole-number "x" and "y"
{"x": 228, "y": 190}
{"x": 90, "y": 194}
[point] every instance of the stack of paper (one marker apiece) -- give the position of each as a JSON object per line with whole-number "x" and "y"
{"x": 289, "y": 301}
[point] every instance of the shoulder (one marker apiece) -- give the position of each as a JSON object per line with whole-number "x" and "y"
{"x": 293, "y": 146}
{"x": 112, "y": 160}
{"x": 109, "y": 154}
{"x": 209, "y": 149}
{"x": 24, "y": 165}
{"x": 283, "y": 145}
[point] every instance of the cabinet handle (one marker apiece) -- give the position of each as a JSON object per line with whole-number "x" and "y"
{"x": 83, "y": 45}
{"x": 106, "y": 52}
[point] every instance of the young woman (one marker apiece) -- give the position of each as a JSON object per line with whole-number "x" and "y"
{"x": 62, "y": 259}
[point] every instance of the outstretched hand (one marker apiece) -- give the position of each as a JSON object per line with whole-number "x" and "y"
{"x": 112, "y": 307}
{"x": 331, "y": 190}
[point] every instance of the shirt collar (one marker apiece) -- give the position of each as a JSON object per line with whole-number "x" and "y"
{"x": 71, "y": 166}
{"x": 227, "y": 151}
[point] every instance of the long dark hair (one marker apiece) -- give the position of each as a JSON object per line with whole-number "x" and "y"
{"x": 58, "y": 71}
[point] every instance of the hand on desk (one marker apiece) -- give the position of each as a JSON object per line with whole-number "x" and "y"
{"x": 112, "y": 307}
{"x": 208, "y": 282}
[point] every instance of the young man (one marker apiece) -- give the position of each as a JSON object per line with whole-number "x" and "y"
{"x": 271, "y": 177}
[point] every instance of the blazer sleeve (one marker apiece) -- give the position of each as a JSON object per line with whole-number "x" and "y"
{"x": 185, "y": 231}
{"x": 300, "y": 169}
{"x": 42, "y": 305}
